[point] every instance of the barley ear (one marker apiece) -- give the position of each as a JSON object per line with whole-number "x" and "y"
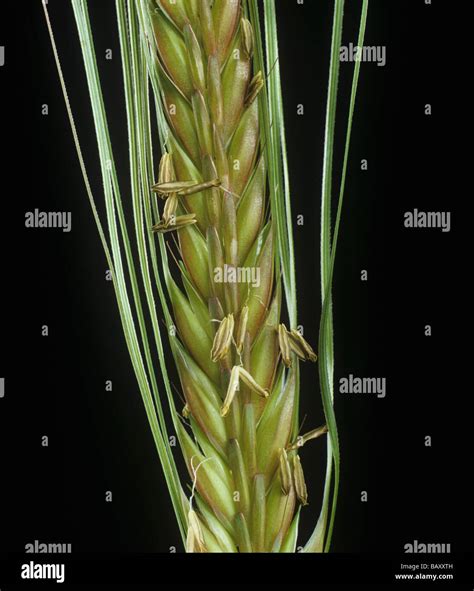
{"x": 211, "y": 189}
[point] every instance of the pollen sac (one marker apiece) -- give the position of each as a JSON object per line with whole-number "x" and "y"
{"x": 181, "y": 221}
{"x": 166, "y": 170}
{"x": 301, "y": 347}
{"x": 169, "y": 211}
{"x": 186, "y": 411}
{"x": 239, "y": 373}
{"x": 285, "y": 473}
{"x": 169, "y": 187}
{"x": 252, "y": 384}
{"x": 231, "y": 391}
{"x": 284, "y": 344}
{"x": 242, "y": 329}
{"x": 303, "y": 439}
{"x": 199, "y": 187}
{"x": 183, "y": 188}
{"x": 300, "y": 484}
{"x": 223, "y": 339}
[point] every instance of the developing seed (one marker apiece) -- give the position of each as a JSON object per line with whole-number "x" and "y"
{"x": 284, "y": 344}
{"x": 186, "y": 411}
{"x": 300, "y": 484}
{"x": 242, "y": 329}
{"x": 223, "y": 339}
{"x": 285, "y": 473}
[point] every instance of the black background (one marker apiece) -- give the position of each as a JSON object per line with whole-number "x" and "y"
{"x": 100, "y": 441}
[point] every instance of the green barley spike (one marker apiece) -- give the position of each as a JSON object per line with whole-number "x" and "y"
{"x": 205, "y": 58}
{"x": 222, "y": 190}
